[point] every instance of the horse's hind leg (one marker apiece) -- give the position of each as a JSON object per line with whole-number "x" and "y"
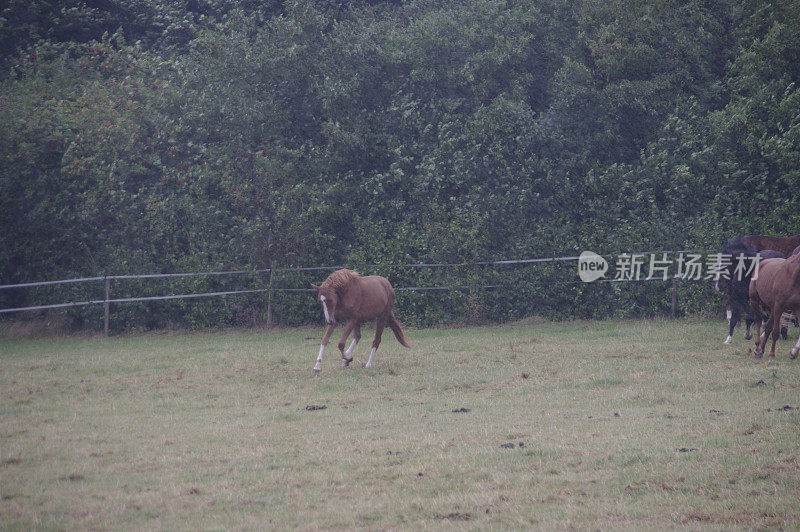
{"x": 379, "y": 325}
{"x": 748, "y": 320}
{"x": 761, "y": 341}
{"x": 796, "y": 349}
{"x": 775, "y": 320}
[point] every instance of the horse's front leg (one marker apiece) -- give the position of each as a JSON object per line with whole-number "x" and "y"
{"x": 348, "y": 328}
{"x": 755, "y": 306}
{"x": 348, "y": 355}
{"x": 328, "y": 331}
{"x": 733, "y": 320}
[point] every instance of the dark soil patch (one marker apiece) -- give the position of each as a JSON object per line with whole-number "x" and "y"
{"x": 316, "y": 407}
{"x": 454, "y": 516}
{"x": 784, "y": 408}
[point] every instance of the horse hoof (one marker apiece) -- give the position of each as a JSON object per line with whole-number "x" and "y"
{"x": 316, "y": 370}
{"x": 728, "y": 340}
{"x": 794, "y": 352}
{"x": 748, "y": 336}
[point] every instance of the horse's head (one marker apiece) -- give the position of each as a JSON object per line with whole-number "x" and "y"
{"x": 328, "y": 299}
{"x": 734, "y": 250}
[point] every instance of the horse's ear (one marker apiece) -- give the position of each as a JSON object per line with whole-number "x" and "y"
{"x": 315, "y": 287}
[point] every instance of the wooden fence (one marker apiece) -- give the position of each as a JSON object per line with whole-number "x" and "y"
{"x": 107, "y": 281}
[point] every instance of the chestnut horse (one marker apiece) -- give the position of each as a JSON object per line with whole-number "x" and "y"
{"x": 777, "y": 287}
{"x": 347, "y": 296}
{"x": 783, "y": 244}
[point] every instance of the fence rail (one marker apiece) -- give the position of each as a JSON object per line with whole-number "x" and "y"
{"x": 285, "y": 269}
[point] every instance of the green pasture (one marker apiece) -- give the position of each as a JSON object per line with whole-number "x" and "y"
{"x": 618, "y": 424}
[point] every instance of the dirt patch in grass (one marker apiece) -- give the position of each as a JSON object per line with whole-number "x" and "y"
{"x": 454, "y": 516}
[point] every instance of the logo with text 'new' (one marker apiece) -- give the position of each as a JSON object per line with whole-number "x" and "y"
{"x": 591, "y": 266}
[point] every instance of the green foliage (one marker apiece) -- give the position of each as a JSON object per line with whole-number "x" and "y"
{"x": 164, "y": 136}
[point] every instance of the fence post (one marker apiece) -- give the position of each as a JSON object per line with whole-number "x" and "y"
{"x": 106, "y": 305}
{"x": 674, "y": 302}
{"x": 269, "y": 294}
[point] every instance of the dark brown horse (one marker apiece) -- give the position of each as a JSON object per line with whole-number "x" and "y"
{"x": 347, "y": 296}
{"x": 785, "y": 245}
{"x": 777, "y": 288}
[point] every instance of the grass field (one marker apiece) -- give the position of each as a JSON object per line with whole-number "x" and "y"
{"x": 621, "y": 424}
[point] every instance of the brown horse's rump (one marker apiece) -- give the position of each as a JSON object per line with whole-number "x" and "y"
{"x": 777, "y": 288}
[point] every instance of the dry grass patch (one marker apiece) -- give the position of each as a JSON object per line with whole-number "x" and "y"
{"x": 650, "y": 424}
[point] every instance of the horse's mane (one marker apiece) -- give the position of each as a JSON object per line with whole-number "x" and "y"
{"x": 338, "y": 280}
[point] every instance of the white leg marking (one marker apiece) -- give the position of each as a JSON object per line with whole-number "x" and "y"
{"x": 796, "y": 349}
{"x": 325, "y": 309}
{"x": 318, "y": 365}
{"x": 728, "y": 314}
{"x": 371, "y": 354}
{"x": 728, "y": 340}
{"x": 350, "y": 349}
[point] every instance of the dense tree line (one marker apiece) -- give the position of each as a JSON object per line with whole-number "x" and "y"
{"x": 168, "y": 136}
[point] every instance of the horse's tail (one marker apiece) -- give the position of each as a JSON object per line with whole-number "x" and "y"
{"x": 397, "y": 328}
